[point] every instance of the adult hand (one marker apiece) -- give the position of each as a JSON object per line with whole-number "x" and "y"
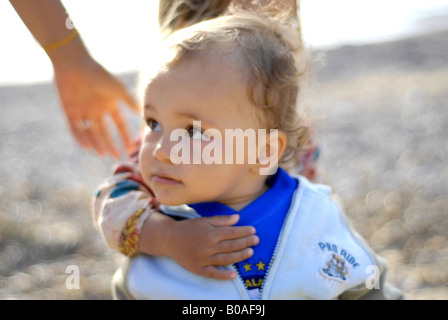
{"x": 89, "y": 95}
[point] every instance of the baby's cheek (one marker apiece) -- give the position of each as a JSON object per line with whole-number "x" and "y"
{"x": 145, "y": 163}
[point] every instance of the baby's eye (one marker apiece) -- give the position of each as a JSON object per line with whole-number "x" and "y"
{"x": 153, "y": 125}
{"x": 196, "y": 133}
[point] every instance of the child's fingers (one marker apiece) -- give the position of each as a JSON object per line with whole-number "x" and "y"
{"x": 224, "y": 221}
{"x": 238, "y": 244}
{"x": 234, "y": 233}
{"x": 226, "y": 229}
{"x": 232, "y": 257}
{"x": 215, "y": 273}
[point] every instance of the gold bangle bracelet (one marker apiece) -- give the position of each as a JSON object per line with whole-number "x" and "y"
{"x": 62, "y": 42}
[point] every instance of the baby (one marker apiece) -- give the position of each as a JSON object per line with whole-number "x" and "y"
{"x": 221, "y": 117}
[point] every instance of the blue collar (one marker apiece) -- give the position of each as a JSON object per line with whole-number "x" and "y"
{"x": 266, "y": 214}
{"x": 276, "y": 198}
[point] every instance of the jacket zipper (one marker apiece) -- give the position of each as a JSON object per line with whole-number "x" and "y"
{"x": 277, "y": 246}
{"x": 241, "y": 280}
{"x": 271, "y": 262}
{"x": 274, "y": 254}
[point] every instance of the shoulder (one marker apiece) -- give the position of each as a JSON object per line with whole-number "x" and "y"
{"x": 315, "y": 207}
{"x": 314, "y": 201}
{"x": 321, "y": 229}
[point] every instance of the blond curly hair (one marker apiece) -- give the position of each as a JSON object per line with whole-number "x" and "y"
{"x": 266, "y": 42}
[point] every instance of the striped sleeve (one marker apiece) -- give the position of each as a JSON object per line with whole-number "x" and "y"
{"x": 121, "y": 205}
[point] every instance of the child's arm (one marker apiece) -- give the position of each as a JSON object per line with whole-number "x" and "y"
{"x": 125, "y": 212}
{"x": 199, "y": 245}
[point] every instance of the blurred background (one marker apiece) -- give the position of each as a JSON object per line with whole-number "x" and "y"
{"x": 376, "y": 96}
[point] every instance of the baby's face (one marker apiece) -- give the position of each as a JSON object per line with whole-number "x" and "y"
{"x": 192, "y": 97}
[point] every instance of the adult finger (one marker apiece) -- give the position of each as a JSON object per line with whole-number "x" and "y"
{"x": 105, "y": 137}
{"x": 122, "y": 130}
{"x": 95, "y": 137}
{"x": 80, "y": 134}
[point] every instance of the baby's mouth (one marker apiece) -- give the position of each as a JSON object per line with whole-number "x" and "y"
{"x": 163, "y": 178}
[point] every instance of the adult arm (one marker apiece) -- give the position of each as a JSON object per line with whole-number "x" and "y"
{"x": 88, "y": 93}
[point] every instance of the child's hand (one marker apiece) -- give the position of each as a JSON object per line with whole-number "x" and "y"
{"x": 199, "y": 245}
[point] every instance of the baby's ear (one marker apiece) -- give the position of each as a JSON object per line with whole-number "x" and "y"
{"x": 270, "y": 149}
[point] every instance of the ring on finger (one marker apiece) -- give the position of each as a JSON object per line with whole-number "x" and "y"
{"x": 85, "y": 124}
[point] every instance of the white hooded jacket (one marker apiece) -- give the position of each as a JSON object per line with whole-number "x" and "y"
{"x": 317, "y": 256}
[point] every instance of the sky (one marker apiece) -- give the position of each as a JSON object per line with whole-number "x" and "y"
{"x": 122, "y": 34}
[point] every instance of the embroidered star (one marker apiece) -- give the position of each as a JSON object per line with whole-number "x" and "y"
{"x": 247, "y": 267}
{"x": 261, "y": 265}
